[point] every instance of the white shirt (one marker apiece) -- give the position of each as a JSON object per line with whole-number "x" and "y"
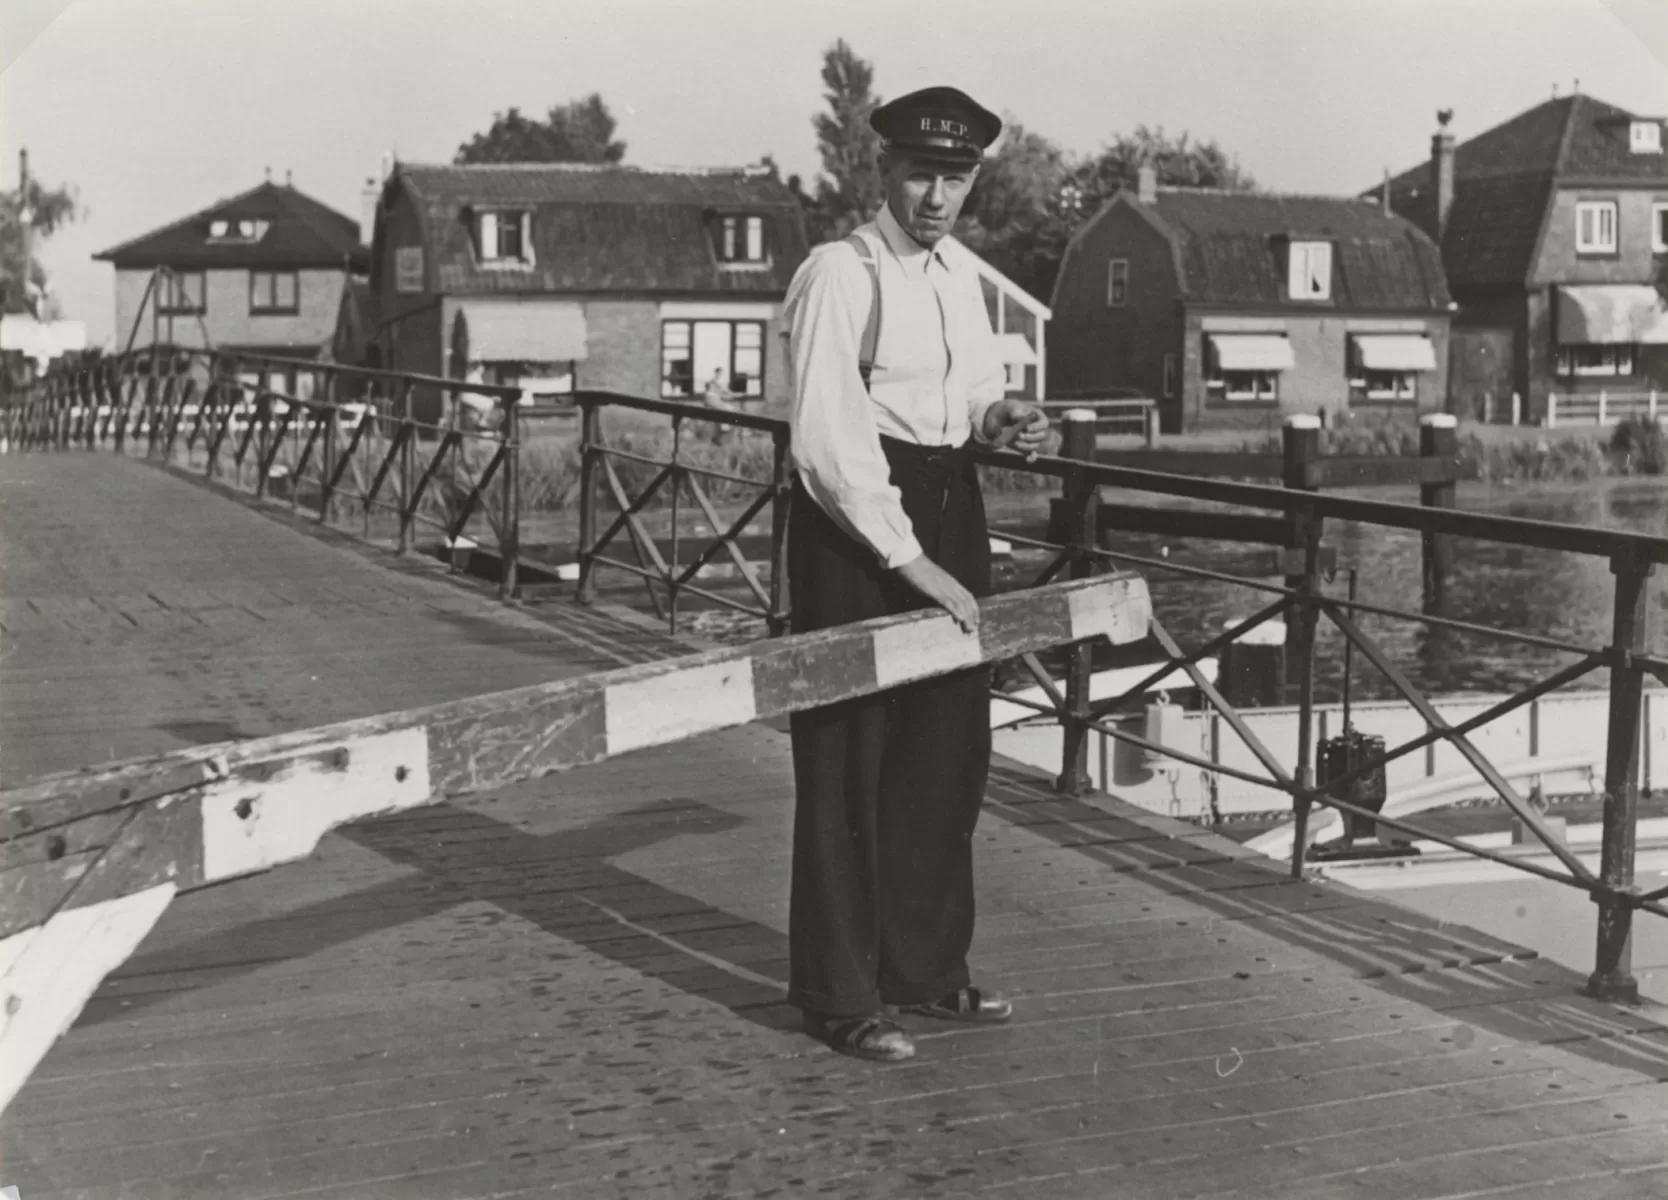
{"x": 937, "y": 369}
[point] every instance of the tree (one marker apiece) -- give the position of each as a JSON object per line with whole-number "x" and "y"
{"x": 849, "y": 191}
{"x": 1016, "y": 218}
{"x": 580, "y": 131}
{"x": 1178, "y": 162}
{"x": 46, "y": 211}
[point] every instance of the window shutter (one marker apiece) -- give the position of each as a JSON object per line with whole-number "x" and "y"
{"x": 755, "y": 239}
{"x": 1320, "y": 270}
{"x": 1297, "y": 270}
{"x": 489, "y": 236}
{"x": 526, "y": 235}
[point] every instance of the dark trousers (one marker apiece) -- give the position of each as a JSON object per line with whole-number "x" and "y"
{"x": 888, "y": 787}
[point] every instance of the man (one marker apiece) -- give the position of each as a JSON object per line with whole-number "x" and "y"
{"x": 895, "y": 369}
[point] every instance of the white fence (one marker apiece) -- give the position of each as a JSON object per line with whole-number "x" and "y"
{"x": 1604, "y": 407}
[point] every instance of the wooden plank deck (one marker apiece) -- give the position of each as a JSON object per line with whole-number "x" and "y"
{"x": 573, "y": 986}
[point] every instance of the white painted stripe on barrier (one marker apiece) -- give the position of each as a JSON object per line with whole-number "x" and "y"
{"x": 1093, "y": 615}
{"x": 48, "y": 973}
{"x": 919, "y": 649}
{"x": 252, "y": 826}
{"x": 652, "y": 712}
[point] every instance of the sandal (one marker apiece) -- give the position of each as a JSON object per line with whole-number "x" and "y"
{"x": 872, "y": 1037}
{"x": 965, "y": 1004}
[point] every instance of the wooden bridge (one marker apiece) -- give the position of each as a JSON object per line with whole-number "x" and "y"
{"x": 493, "y": 981}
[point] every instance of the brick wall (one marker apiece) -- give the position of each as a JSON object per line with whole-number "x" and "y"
{"x": 226, "y": 318}
{"x": 1092, "y": 345}
{"x": 1559, "y": 261}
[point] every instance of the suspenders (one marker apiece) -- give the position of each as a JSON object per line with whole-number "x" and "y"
{"x": 871, "y": 328}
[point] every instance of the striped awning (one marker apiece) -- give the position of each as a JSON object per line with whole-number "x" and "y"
{"x": 1395, "y": 352}
{"x": 1611, "y": 314}
{"x": 1252, "y": 351}
{"x": 1015, "y": 349}
{"x": 527, "y": 331}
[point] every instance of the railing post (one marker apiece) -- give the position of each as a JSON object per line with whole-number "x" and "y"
{"x": 408, "y": 466}
{"x": 1082, "y": 517}
{"x": 1602, "y": 408}
{"x": 588, "y": 430}
{"x": 1552, "y": 410}
{"x": 781, "y": 509}
{"x": 1300, "y": 444}
{"x": 1438, "y": 439}
{"x": 327, "y": 446}
{"x": 509, "y": 549}
{"x": 1612, "y": 978}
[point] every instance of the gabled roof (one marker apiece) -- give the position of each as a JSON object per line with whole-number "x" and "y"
{"x": 1505, "y": 176}
{"x": 606, "y": 228}
{"x": 1227, "y": 248}
{"x": 303, "y": 233}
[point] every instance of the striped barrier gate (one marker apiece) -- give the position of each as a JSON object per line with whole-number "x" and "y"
{"x": 90, "y": 859}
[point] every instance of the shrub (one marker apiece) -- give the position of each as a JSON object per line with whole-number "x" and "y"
{"x": 1639, "y": 447}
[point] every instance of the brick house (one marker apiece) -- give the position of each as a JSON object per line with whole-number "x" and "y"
{"x": 261, "y": 273}
{"x": 1229, "y": 307}
{"x": 1551, "y": 226}
{"x": 565, "y": 276}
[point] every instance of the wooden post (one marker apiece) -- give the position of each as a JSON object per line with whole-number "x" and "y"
{"x": 1603, "y": 409}
{"x": 1650, "y": 404}
{"x": 589, "y": 428}
{"x": 1517, "y": 408}
{"x": 509, "y": 542}
{"x": 1082, "y": 517}
{"x": 1437, "y": 439}
{"x": 1612, "y": 978}
{"x": 1150, "y": 426}
{"x": 1300, "y": 444}
{"x": 1552, "y": 410}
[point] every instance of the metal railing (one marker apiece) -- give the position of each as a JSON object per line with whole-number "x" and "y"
{"x": 678, "y": 477}
{"x": 389, "y": 452}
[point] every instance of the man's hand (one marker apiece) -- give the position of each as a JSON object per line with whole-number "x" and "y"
{"x": 1016, "y": 424}
{"x": 941, "y": 587}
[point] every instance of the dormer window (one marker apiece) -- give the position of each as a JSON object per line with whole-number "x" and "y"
{"x": 240, "y": 229}
{"x": 504, "y": 236}
{"x": 1645, "y": 137}
{"x": 741, "y": 240}
{"x": 1309, "y": 270}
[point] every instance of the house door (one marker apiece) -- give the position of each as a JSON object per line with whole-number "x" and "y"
{"x": 1480, "y": 374}
{"x": 711, "y": 352}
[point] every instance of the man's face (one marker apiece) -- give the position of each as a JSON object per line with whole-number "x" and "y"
{"x": 926, "y": 196}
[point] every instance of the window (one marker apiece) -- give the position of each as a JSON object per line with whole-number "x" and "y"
{"x": 272, "y": 292}
{"x": 1117, "y": 283}
{"x": 408, "y": 269}
{"x": 1645, "y": 137}
{"x": 741, "y": 240}
{"x": 180, "y": 292}
{"x": 1595, "y": 227}
{"x": 241, "y": 229}
{"x": 1659, "y": 228}
{"x": 1169, "y": 388}
{"x": 504, "y": 236}
{"x": 1309, "y": 271}
{"x": 1248, "y": 385}
{"x": 1385, "y": 385}
{"x": 540, "y": 382}
{"x": 692, "y": 352}
{"x": 1589, "y": 360}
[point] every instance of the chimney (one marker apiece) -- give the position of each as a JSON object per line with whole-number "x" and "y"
{"x": 1146, "y": 184}
{"x": 368, "y": 197}
{"x": 1384, "y": 192}
{"x": 1442, "y": 172}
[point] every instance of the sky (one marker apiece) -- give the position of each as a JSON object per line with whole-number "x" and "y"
{"x": 154, "y": 109}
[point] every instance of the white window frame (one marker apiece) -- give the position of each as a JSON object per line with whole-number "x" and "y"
{"x": 1611, "y": 360}
{"x": 489, "y": 222}
{"x": 1659, "y": 227}
{"x": 741, "y": 241}
{"x": 1261, "y": 386}
{"x": 677, "y": 336}
{"x": 1117, "y": 282}
{"x": 1597, "y": 211}
{"x": 1309, "y": 271}
{"x": 264, "y": 293}
{"x": 1386, "y": 385}
{"x": 1645, "y": 137}
{"x": 181, "y": 292}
